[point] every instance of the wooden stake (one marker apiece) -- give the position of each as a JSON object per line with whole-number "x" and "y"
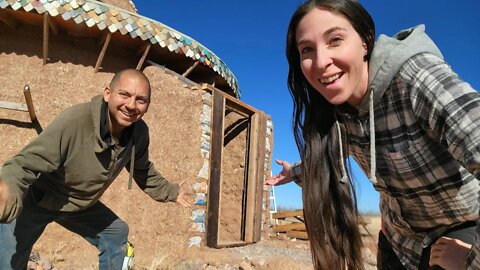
{"x": 102, "y": 52}
{"x": 28, "y": 99}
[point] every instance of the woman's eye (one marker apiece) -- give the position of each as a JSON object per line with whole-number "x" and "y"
{"x": 305, "y": 50}
{"x": 335, "y": 41}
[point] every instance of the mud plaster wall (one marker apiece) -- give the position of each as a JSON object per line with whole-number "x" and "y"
{"x": 160, "y": 232}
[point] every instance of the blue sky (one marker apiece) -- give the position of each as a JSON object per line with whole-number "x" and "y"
{"x": 249, "y": 36}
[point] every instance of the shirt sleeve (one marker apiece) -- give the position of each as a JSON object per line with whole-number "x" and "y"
{"x": 296, "y": 171}
{"x": 145, "y": 174}
{"x": 44, "y": 154}
{"x": 449, "y": 111}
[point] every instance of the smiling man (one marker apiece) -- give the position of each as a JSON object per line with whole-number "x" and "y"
{"x": 61, "y": 175}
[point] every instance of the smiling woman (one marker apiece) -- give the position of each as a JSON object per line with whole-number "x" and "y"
{"x": 397, "y": 108}
{"x": 332, "y": 57}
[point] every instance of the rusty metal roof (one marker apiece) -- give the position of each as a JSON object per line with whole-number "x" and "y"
{"x": 107, "y": 17}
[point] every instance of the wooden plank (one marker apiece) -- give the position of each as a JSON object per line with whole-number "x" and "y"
{"x": 298, "y": 234}
{"x": 45, "y": 38}
{"x": 216, "y": 154}
{"x": 144, "y": 56}
{"x": 260, "y": 161}
{"x": 13, "y": 106}
{"x": 28, "y": 99}
{"x": 102, "y": 52}
{"x": 250, "y": 186}
{"x": 297, "y": 226}
{"x": 286, "y": 214}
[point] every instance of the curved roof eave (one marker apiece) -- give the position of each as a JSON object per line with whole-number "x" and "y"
{"x": 111, "y": 18}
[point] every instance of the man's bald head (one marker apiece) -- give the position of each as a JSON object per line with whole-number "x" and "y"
{"x": 129, "y": 72}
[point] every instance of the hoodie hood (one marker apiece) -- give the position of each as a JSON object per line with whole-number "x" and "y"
{"x": 388, "y": 55}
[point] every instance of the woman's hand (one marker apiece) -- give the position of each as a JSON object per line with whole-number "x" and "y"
{"x": 449, "y": 253}
{"x": 285, "y": 176}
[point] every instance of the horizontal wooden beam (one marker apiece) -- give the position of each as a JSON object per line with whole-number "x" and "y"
{"x": 298, "y": 234}
{"x": 286, "y": 214}
{"x": 297, "y": 226}
{"x": 13, "y": 106}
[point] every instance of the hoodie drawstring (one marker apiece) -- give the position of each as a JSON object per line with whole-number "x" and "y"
{"x": 373, "y": 154}
{"x": 344, "y": 178}
{"x": 373, "y": 161}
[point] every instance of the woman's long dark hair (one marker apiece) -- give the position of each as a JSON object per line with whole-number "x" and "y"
{"x": 330, "y": 208}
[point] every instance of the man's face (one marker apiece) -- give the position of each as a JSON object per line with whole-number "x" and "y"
{"x": 127, "y": 102}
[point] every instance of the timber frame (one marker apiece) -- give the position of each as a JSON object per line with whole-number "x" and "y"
{"x": 253, "y": 182}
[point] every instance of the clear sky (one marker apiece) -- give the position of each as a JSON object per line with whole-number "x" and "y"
{"x": 249, "y": 36}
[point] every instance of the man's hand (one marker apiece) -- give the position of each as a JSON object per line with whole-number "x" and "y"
{"x": 4, "y": 197}
{"x": 285, "y": 176}
{"x": 181, "y": 196}
{"x": 449, "y": 253}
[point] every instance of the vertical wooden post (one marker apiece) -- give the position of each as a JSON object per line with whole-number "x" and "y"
{"x": 251, "y": 180}
{"x": 260, "y": 157}
{"x": 216, "y": 152}
{"x": 102, "y": 52}
{"x": 144, "y": 56}
{"x": 45, "y": 37}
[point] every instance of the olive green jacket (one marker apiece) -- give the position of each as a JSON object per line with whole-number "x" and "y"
{"x": 71, "y": 163}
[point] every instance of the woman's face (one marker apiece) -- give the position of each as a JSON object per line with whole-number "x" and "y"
{"x": 332, "y": 57}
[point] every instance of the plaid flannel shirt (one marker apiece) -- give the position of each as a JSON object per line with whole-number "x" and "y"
{"x": 427, "y": 128}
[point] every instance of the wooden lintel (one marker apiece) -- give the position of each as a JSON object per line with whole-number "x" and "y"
{"x": 237, "y": 104}
{"x": 216, "y": 155}
{"x": 52, "y": 24}
{"x": 102, "y": 52}
{"x": 8, "y": 20}
{"x": 144, "y": 56}
{"x": 45, "y": 38}
{"x": 190, "y": 69}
